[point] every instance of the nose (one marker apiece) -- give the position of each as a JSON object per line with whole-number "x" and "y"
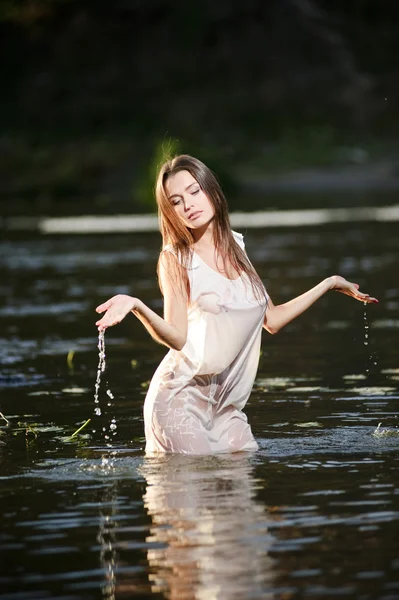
{"x": 187, "y": 206}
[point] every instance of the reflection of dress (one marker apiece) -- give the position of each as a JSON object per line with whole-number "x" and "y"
{"x": 195, "y": 399}
{"x": 209, "y": 537}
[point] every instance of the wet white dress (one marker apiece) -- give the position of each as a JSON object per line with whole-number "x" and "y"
{"x": 195, "y": 400}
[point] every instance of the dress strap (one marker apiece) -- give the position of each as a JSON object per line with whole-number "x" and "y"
{"x": 239, "y": 238}
{"x": 193, "y": 262}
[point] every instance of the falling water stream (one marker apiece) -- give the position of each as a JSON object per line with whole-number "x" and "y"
{"x": 107, "y": 460}
{"x": 100, "y": 370}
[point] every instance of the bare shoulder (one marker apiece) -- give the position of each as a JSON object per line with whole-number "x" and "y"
{"x": 168, "y": 264}
{"x": 167, "y": 257}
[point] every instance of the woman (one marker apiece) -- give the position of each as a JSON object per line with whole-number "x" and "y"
{"x": 215, "y": 306}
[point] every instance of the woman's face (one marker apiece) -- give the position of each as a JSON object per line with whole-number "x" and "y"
{"x": 190, "y": 203}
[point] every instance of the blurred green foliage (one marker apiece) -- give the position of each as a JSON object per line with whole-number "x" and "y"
{"x": 92, "y": 91}
{"x": 144, "y": 190}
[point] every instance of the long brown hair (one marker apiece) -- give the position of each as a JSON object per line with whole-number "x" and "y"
{"x": 179, "y": 237}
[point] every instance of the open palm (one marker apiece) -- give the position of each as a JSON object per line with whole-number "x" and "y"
{"x": 351, "y": 289}
{"x": 116, "y": 309}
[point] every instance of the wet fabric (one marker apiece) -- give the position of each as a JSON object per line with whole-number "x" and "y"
{"x": 195, "y": 401}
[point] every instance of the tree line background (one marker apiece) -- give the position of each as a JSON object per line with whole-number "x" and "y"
{"x": 92, "y": 92}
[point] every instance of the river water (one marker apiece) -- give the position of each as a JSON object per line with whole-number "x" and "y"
{"x": 313, "y": 514}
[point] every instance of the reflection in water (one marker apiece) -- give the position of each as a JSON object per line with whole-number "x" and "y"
{"x": 106, "y": 540}
{"x": 208, "y": 536}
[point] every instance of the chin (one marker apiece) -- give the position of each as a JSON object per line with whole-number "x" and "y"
{"x": 198, "y": 223}
{"x": 194, "y": 225}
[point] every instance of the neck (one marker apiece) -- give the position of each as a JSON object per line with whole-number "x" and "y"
{"x": 203, "y": 236}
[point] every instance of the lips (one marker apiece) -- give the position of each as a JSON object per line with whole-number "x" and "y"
{"x": 194, "y": 215}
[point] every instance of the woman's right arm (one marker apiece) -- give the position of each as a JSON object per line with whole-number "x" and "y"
{"x": 170, "y": 330}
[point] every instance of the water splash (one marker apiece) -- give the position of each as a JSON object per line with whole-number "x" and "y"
{"x": 384, "y": 432}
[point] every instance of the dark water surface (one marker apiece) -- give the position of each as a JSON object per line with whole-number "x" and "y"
{"x": 313, "y": 514}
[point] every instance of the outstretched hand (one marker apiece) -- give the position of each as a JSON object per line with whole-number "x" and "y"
{"x": 116, "y": 309}
{"x": 350, "y": 289}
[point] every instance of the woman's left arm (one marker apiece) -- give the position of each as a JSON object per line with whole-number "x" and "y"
{"x": 277, "y": 317}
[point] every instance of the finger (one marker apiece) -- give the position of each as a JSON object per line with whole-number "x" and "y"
{"x": 101, "y": 324}
{"x": 105, "y": 319}
{"x": 366, "y": 298}
{"x": 108, "y": 320}
{"x": 105, "y": 306}
{"x": 362, "y": 297}
{"x": 102, "y": 308}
